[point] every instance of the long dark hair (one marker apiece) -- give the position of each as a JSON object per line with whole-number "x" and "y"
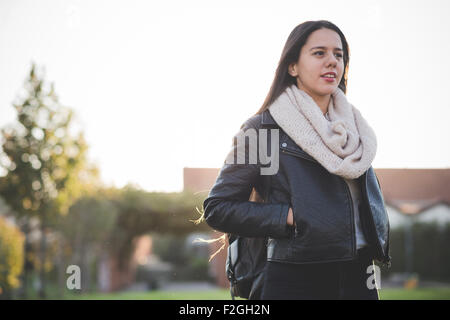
{"x": 291, "y": 53}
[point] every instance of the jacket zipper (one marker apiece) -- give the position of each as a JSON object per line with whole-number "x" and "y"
{"x": 297, "y": 154}
{"x": 349, "y": 196}
{"x": 387, "y": 258}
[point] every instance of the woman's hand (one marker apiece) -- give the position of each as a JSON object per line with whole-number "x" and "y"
{"x": 290, "y": 218}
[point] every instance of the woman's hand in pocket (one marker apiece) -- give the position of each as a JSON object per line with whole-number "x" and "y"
{"x": 290, "y": 218}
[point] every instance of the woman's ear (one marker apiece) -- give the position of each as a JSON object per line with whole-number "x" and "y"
{"x": 293, "y": 70}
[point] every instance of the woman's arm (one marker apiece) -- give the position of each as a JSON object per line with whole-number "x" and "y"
{"x": 228, "y": 209}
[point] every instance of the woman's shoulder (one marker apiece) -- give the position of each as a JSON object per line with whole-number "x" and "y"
{"x": 252, "y": 122}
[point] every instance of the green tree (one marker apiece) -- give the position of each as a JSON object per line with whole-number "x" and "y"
{"x": 11, "y": 257}
{"x": 43, "y": 162}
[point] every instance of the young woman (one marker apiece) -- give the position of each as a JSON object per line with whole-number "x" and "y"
{"x": 323, "y": 211}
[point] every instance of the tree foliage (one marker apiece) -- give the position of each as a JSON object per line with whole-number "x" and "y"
{"x": 141, "y": 212}
{"x": 45, "y": 166}
{"x": 43, "y": 162}
{"x": 430, "y": 255}
{"x": 11, "y": 256}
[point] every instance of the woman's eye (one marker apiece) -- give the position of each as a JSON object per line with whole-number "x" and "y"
{"x": 339, "y": 55}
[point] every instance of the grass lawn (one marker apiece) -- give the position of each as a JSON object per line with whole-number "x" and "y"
{"x": 218, "y": 294}
{"x": 223, "y": 294}
{"x": 415, "y": 294}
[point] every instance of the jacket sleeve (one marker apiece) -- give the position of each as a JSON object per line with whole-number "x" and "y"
{"x": 227, "y": 207}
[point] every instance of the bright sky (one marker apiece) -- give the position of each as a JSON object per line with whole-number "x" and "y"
{"x": 162, "y": 85}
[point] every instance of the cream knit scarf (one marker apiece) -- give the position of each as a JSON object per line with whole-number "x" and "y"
{"x": 345, "y": 145}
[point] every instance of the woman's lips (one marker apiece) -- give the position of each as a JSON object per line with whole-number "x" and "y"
{"x": 328, "y": 79}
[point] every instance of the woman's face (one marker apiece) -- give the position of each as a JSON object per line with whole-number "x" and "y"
{"x": 322, "y": 53}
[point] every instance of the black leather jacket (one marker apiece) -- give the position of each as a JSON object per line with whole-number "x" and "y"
{"x": 321, "y": 203}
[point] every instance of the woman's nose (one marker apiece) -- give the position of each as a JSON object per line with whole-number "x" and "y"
{"x": 332, "y": 60}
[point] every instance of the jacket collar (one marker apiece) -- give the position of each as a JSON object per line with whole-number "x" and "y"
{"x": 267, "y": 119}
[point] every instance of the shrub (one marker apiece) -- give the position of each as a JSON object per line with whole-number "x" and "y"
{"x": 11, "y": 257}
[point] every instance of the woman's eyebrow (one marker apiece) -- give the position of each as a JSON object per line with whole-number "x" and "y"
{"x": 336, "y": 48}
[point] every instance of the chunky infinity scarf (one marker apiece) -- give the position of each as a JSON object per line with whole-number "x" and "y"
{"x": 346, "y": 145}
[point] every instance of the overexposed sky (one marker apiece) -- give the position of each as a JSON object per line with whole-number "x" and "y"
{"x": 162, "y": 85}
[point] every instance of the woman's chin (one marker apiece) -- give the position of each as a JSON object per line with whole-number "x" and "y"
{"x": 326, "y": 91}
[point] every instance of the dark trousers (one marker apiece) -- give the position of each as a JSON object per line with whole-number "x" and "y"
{"x": 321, "y": 281}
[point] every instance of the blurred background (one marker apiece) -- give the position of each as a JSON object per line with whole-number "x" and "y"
{"x": 110, "y": 140}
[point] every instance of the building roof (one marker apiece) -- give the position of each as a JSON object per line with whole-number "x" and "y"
{"x": 412, "y": 191}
